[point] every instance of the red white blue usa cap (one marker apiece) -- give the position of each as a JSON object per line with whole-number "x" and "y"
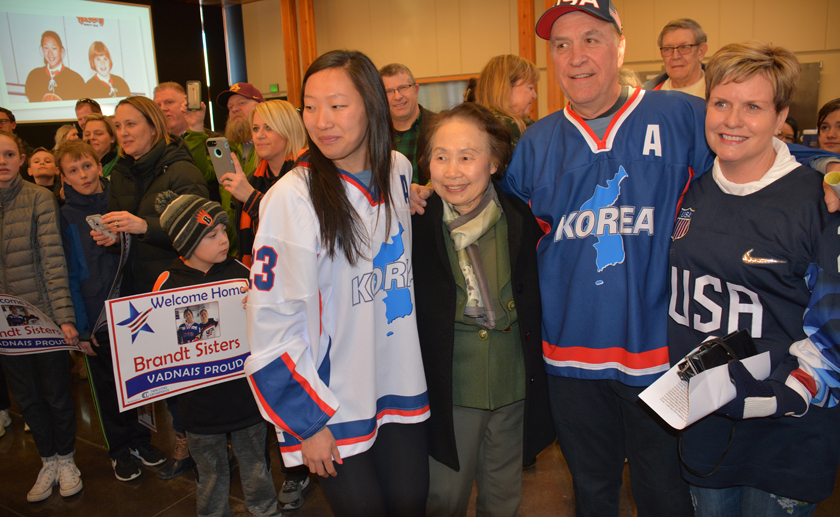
{"x": 601, "y": 9}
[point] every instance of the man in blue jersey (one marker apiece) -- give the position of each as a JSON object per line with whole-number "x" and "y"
{"x": 604, "y": 177}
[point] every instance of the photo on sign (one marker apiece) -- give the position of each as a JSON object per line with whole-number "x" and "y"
{"x": 17, "y": 316}
{"x": 197, "y": 322}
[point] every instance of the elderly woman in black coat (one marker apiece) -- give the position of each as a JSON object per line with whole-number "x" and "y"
{"x": 478, "y": 315}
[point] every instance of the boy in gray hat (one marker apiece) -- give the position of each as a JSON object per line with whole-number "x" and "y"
{"x": 196, "y": 227}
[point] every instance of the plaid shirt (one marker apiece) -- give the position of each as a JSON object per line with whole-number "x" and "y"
{"x": 405, "y": 142}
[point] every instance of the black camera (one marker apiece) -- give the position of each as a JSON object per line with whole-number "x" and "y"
{"x": 717, "y": 352}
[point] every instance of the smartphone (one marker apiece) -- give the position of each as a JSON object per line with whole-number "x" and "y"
{"x": 194, "y": 95}
{"x": 221, "y": 156}
{"x": 95, "y": 222}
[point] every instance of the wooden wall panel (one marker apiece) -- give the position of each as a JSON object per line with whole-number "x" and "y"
{"x": 323, "y": 24}
{"x": 351, "y": 25}
{"x": 637, "y": 18}
{"x": 832, "y": 37}
{"x": 555, "y": 101}
{"x": 308, "y": 40}
{"x": 264, "y": 44}
{"x": 291, "y": 56}
{"x": 448, "y": 38}
{"x": 800, "y": 26}
{"x": 707, "y": 14}
{"x": 737, "y": 25}
{"x": 485, "y": 32}
{"x": 539, "y": 9}
{"x": 415, "y": 42}
{"x": 527, "y": 41}
{"x": 381, "y": 32}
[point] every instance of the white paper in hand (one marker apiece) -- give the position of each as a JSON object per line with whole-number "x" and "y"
{"x": 682, "y": 403}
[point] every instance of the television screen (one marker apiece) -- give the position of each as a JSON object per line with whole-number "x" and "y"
{"x": 54, "y": 52}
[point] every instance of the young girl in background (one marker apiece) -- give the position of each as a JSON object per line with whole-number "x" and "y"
{"x": 32, "y": 260}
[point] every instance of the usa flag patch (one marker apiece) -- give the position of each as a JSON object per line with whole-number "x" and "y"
{"x": 682, "y": 222}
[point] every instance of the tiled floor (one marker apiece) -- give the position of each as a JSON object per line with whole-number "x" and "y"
{"x": 547, "y": 489}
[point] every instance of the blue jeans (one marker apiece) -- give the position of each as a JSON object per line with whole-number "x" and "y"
{"x": 746, "y": 501}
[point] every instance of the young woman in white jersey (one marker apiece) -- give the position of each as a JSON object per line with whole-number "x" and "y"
{"x": 335, "y": 361}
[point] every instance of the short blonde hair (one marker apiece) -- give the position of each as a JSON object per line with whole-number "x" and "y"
{"x": 738, "y": 62}
{"x": 61, "y": 134}
{"x": 153, "y": 115}
{"x": 109, "y": 124}
{"x": 497, "y": 79}
{"x": 283, "y": 119}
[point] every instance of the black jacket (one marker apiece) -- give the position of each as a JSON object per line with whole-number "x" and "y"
{"x": 434, "y": 290}
{"x": 134, "y": 186}
{"x": 225, "y": 407}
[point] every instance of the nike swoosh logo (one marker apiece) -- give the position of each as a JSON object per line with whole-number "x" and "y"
{"x": 749, "y": 259}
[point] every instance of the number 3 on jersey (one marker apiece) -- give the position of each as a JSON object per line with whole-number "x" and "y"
{"x": 264, "y": 281}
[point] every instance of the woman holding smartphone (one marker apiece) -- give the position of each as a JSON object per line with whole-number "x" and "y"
{"x": 279, "y": 138}
{"x": 335, "y": 358}
{"x": 151, "y": 161}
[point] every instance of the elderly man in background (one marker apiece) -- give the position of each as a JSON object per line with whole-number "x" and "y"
{"x": 407, "y": 115}
{"x": 682, "y": 44}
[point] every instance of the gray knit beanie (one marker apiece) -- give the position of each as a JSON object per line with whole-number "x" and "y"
{"x": 188, "y": 218}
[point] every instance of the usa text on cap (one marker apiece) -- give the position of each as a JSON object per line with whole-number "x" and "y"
{"x": 601, "y": 9}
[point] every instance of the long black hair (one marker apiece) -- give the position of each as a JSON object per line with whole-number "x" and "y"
{"x": 341, "y": 228}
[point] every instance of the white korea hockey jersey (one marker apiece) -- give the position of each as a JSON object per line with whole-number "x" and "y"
{"x": 334, "y": 344}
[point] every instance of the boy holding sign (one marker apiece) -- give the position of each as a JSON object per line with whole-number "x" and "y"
{"x": 92, "y": 271}
{"x": 197, "y": 229}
